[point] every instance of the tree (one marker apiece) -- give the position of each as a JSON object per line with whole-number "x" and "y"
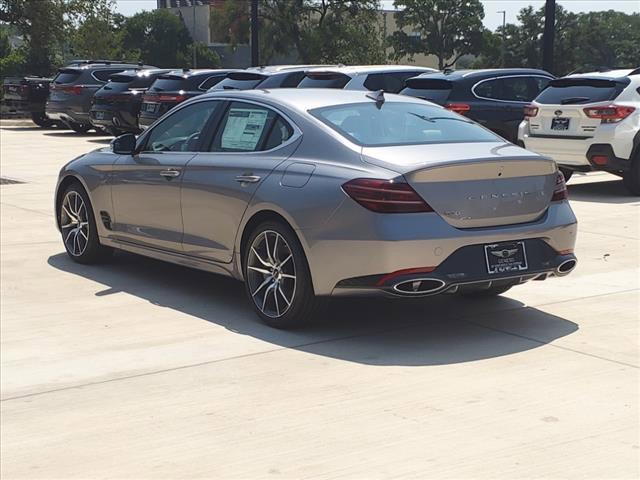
{"x": 316, "y": 31}
{"x": 582, "y": 41}
{"x": 447, "y": 29}
{"x": 160, "y": 38}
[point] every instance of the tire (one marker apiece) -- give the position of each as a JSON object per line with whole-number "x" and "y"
{"x": 486, "y": 292}
{"x": 279, "y": 300}
{"x": 78, "y": 227}
{"x": 41, "y": 119}
{"x": 631, "y": 177}
{"x": 79, "y": 127}
{"x": 567, "y": 173}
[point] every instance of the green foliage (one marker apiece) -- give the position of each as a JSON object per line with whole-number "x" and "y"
{"x": 160, "y": 37}
{"x": 317, "y": 31}
{"x": 582, "y": 41}
{"x": 205, "y": 57}
{"x": 447, "y": 29}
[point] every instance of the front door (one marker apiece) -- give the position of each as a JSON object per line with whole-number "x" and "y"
{"x": 146, "y": 187}
{"x": 250, "y": 142}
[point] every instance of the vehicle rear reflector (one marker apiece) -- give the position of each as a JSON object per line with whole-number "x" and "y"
{"x": 460, "y": 108}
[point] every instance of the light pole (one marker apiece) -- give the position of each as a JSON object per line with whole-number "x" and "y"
{"x": 255, "y": 49}
{"x": 195, "y": 59}
{"x": 548, "y": 35}
{"x": 504, "y": 46}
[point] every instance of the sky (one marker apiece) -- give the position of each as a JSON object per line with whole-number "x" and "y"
{"x": 492, "y": 18}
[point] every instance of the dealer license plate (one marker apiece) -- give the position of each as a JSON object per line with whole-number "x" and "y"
{"x": 506, "y": 257}
{"x": 560, "y": 123}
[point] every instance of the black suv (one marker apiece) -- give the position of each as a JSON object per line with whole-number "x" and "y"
{"x": 27, "y": 96}
{"x": 271, "y": 76}
{"x": 116, "y": 106}
{"x": 494, "y": 98}
{"x": 73, "y": 88}
{"x": 173, "y": 88}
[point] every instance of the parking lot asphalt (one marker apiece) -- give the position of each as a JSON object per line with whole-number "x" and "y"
{"x": 139, "y": 369}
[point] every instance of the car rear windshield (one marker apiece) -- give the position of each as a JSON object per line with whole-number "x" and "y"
{"x": 168, "y": 84}
{"x": 324, "y": 80}
{"x": 241, "y": 81}
{"x": 434, "y": 90}
{"x": 568, "y": 91}
{"x": 67, "y": 75}
{"x": 400, "y": 123}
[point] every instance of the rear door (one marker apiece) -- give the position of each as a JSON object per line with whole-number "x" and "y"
{"x": 146, "y": 187}
{"x": 250, "y": 141}
{"x": 561, "y": 106}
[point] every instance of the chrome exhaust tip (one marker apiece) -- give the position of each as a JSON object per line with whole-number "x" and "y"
{"x": 566, "y": 267}
{"x": 419, "y": 286}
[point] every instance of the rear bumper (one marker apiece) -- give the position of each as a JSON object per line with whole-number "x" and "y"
{"x": 464, "y": 269}
{"x": 106, "y": 117}
{"x": 372, "y": 244}
{"x": 67, "y": 114}
{"x": 24, "y": 107}
{"x": 576, "y": 152}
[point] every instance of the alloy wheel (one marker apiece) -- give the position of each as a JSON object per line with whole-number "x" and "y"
{"x": 271, "y": 274}
{"x": 74, "y": 223}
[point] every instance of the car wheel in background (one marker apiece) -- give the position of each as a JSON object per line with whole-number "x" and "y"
{"x": 567, "y": 173}
{"x": 631, "y": 177}
{"x": 78, "y": 227}
{"x": 277, "y": 277}
{"x": 79, "y": 127}
{"x": 41, "y": 119}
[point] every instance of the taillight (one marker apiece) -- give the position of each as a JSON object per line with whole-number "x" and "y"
{"x": 610, "y": 113}
{"x": 385, "y": 196}
{"x": 460, "y": 108}
{"x": 530, "y": 111}
{"x": 170, "y": 98}
{"x": 560, "y": 191}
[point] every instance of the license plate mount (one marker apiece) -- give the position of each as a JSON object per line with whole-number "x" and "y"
{"x": 506, "y": 257}
{"x": 150, "y": 107}
{"x": 560, "y": 123}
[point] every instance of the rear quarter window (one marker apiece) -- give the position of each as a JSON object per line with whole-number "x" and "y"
{"x": 566, "y": 91}
{"x": 210, "y": 82}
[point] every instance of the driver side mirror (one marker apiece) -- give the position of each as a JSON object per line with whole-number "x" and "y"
{"x": 124, "y": 144}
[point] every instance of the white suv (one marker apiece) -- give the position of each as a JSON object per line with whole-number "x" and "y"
{"x": 588, "y": 121}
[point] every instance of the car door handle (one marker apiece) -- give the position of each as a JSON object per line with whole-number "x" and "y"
{"x": 170, "y": 173}
{"x": 248, "y": 178}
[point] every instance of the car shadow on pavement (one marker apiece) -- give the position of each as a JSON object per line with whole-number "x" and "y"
{"x": 608, "y": 191}
{"x": 71, "y": 133}
{"x": 413, "y": 332}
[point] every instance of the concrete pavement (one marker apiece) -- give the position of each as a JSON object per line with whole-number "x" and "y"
{"x": 139, "y": 369}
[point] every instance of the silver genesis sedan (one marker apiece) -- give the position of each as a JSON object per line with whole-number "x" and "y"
{"x": 308, "y": 193}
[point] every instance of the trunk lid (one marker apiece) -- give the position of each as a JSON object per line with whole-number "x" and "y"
{"x": 473, "y": 185}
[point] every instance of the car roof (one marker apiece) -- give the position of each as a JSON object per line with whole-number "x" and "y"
{"x": 95, "y": 66}
{"x": 273, "y": 69}
{"x": 483, "y": 73}
{"x": 187, "y": 72}
{"x": 145, "y": 72}
{"x": 608, "y": 74}
{"x": 359, "y": 69}
{"x": 304, "y": 99}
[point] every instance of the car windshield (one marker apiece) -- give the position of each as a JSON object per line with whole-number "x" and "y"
{"x": 400, "y": 123}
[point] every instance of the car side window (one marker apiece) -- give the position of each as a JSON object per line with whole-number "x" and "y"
{"x": 180, "y": 132}
{"x": 515, "y": 89}
{"x": 246, "y": 127}
{"x": 103, "y": 75}
{"x": 540, "y": 83}
{"x": 488, "y": 89}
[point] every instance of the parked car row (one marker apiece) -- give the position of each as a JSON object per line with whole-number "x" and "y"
{"x": 587, "y": 121}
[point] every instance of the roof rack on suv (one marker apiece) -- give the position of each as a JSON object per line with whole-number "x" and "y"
{"x": 105, "y": 62}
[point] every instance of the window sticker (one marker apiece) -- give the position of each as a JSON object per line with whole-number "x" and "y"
{"x": 243, "y": 129}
